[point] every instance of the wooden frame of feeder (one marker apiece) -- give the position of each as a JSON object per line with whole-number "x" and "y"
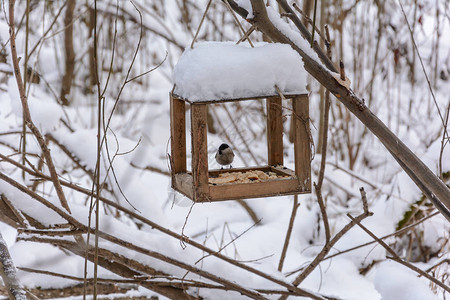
{"x": 195, "y": 184}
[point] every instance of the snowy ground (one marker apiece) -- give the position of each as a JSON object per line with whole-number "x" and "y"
{"x": 409, "y": 111}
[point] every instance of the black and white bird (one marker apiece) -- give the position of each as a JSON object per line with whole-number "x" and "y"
{"x": 224, "y": 155}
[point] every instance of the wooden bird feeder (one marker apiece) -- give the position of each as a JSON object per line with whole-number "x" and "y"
{"x": 196, "y": 185}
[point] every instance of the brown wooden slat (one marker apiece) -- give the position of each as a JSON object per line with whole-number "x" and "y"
{"x": 215, "y": 101}
{"x": 273, "y": 187}
{"x": 183, "y": 183}
{"x": 199, "y": 151}
{"x": 178, "y": 134}
{"x": 283, "y": 170}
{"x": 274, "y": 131}
{"x": 302, "y": 149}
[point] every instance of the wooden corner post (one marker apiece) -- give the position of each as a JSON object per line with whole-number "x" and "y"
{"x": 178, "y": 135}
{"x": 199, "y": 152}
{"x": 302, "y": 142}
{"x": 274, "y": 131}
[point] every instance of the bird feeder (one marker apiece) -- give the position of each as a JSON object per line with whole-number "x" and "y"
{"x": 203, "y": 77}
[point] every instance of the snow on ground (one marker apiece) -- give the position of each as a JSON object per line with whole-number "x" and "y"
{"x": 206, "y": 73}
{"x": 390, "y": 275}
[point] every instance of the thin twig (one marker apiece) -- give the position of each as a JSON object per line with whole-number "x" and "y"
{"x": 444, "y": 142}
{"x": 246, "y": 34}
{"x": 168, "y": 281}
{"x": 398, "y": 232}
{"x": 328, "y": 246}
{"x": 397, "y": 258}
{"x": 149, "y": 71}
{"x": 20, "y": 217}
{"x": 423, "y": 69}
{"x": 24, "y": 126}
{"x": 238, "y": 131}
{"x": 27, "y": 114}
{"x": 44, "y": 36}
{"x": 237, "y": 22}
{"x": 444, "y": 261}
{"x": 151, "y": 169}
{"x": 324, "y": 143}
{"x": 96, "y": 181}
{"x": 200, "y": 25}
{"x": 74, "y": 158}
{"x": 230, "y": 242}
{"x": 308, "y": 19}
{"x": 288, "y": 233}
{"x": 252, "y": 214}
{"x": 153, "y": 225}
{"x": 353, "y": 174}
{"x": 130, "y": 246}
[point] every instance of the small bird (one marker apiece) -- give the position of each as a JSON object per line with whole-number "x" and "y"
{"x": 224, "y": 155}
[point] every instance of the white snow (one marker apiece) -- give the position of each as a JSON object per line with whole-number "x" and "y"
{"x": 143, "y": 114}
{"x": 395, "y": 282}
{"x": 292, "y": 34}
{"x": 224, "y": 70}
{"x": 45, "y": 112}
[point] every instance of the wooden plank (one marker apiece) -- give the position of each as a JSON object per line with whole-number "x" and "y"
{"x": 302, "y": 143}
{"x": 199, "y": 151}
{"x": 270, "y": 188}
{"x": 178, "y": 134}
{"x": 283, "y": 171}
{"x": 182, "y": 182}
{"x": 215, "y": 101}
{"x": 274, "y": 131}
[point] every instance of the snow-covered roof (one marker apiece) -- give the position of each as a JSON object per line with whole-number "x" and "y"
{"x": 223, "y": 70}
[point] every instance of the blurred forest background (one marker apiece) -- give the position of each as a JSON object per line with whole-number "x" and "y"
{"x": 97, "y": 77}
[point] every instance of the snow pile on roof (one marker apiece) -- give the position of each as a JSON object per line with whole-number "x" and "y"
{"x": 224, "y": 70}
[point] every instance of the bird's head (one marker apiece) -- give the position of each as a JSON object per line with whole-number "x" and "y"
{"x": 223, "y": 147}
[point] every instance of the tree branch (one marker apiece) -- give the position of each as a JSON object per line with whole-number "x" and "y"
{"x": 8, "y": 273}
{"x": 433, "y": 188}
{"x": 26, "y": 111}
{"x": 139, "y": 217}
{"x": 397, "y": 258}
{"x": 328, "y": 246}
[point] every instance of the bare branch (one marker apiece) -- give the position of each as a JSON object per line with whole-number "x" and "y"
{"x": 288, "y": 233}
{"x": 26, "y": 111}
{"x": 397, "y": 258}
{"x": 328, "y": 246}
{"x": 424, "y": 178}
{"x": 8, "y": 273}
{"x": 290, "y": 287}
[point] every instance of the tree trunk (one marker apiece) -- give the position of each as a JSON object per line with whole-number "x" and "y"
{"x": 69, "y": 53}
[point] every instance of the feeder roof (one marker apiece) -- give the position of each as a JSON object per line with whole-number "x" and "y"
{"x": 224, "y": 71}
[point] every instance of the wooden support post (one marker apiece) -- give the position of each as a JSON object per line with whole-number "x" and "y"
{"x": 199, "y": 152}
{"x": 178, "y": 135}
{"x": 274, "y": 131}
{"x": 302, "y": 143}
